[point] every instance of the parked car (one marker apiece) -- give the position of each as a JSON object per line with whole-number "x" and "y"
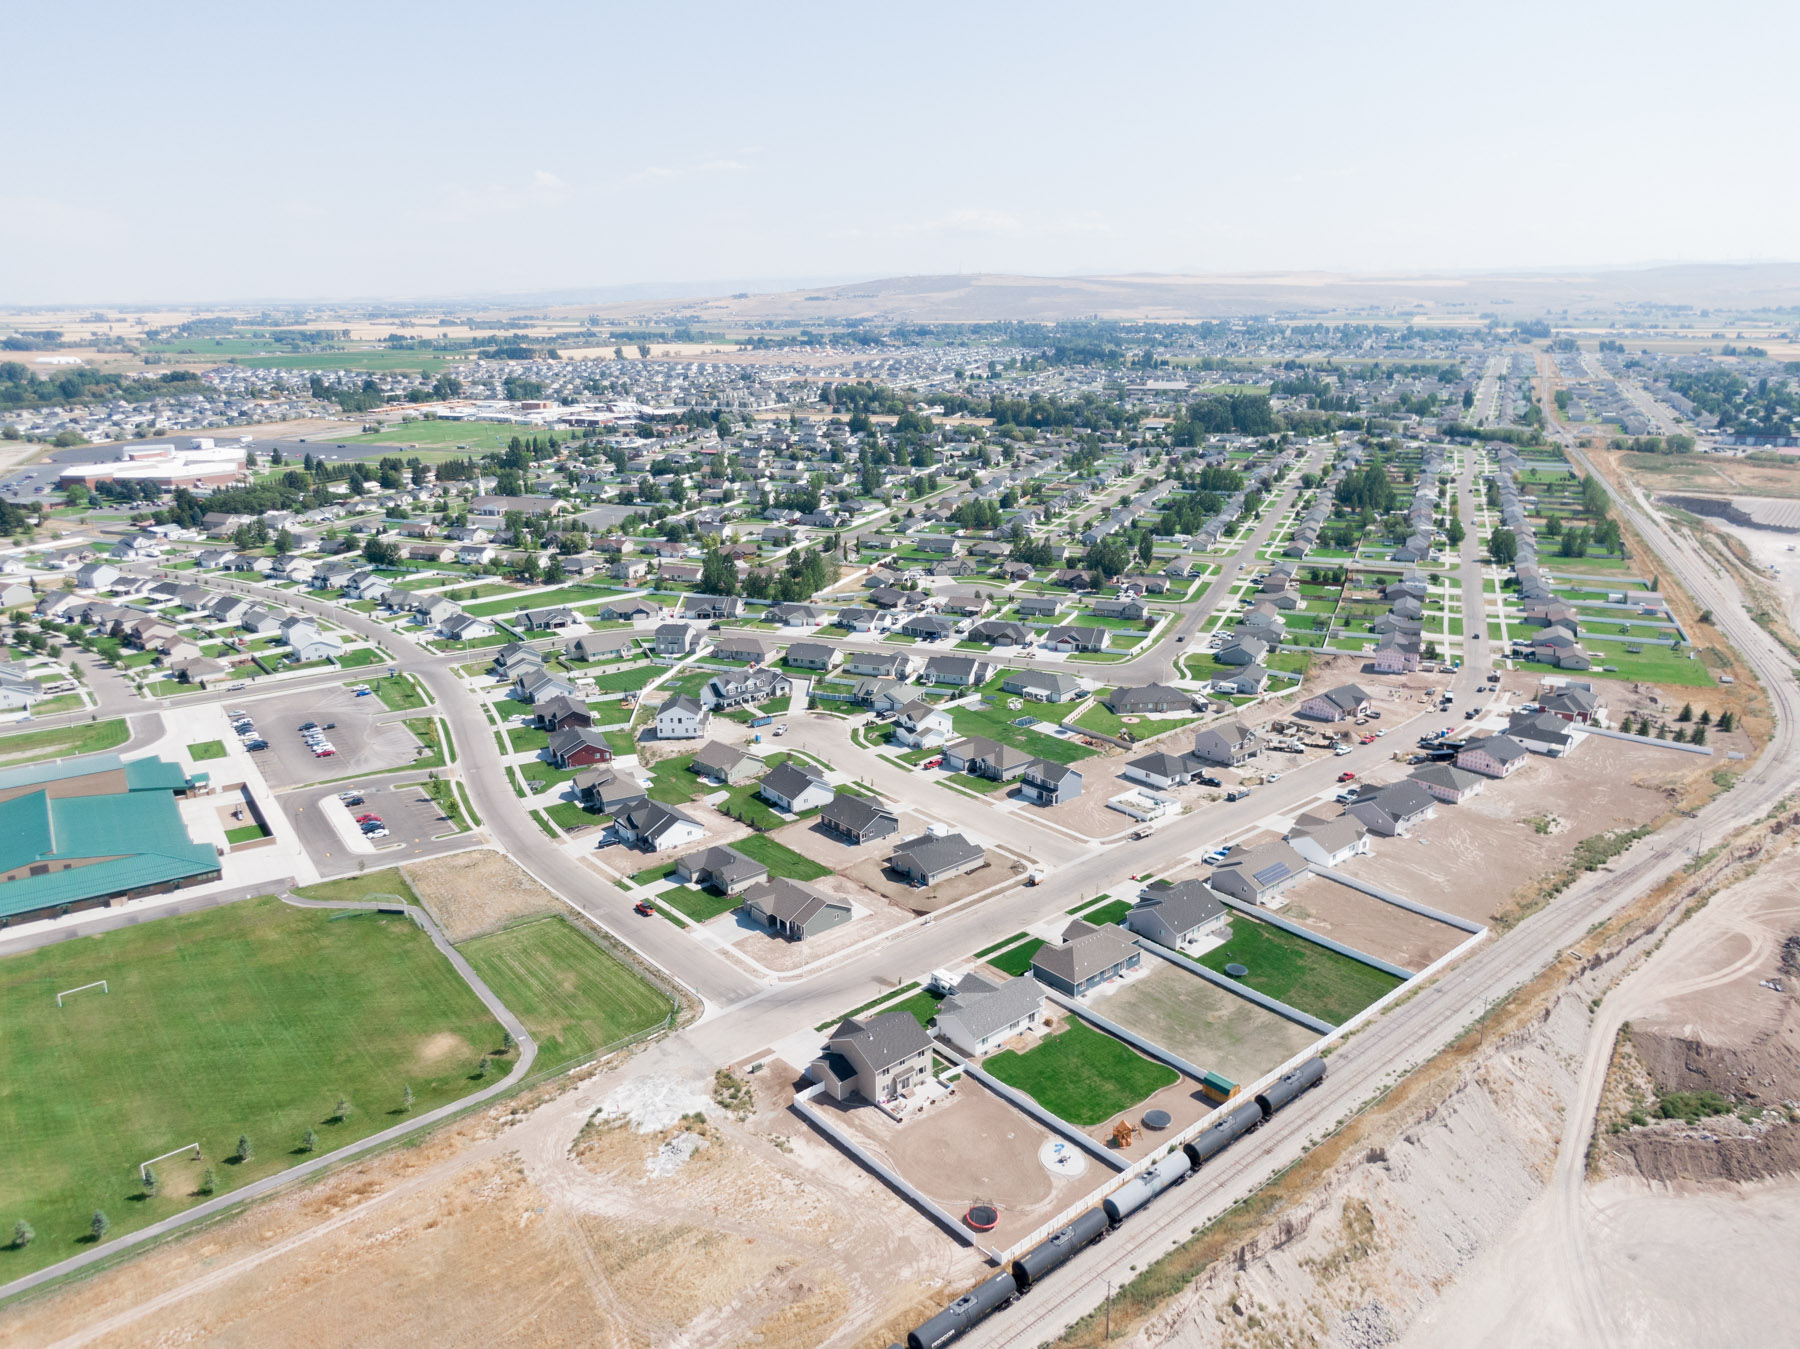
{"x": 256, "y": 746}
{"x": 1346, "y": 776}
{"x": 375, "y": 833}
{"x": 1217, "y": 855}
{"x": 309, "y": 725}
{"x": 644, "y": 907}
{"x": 1207, "y": 780}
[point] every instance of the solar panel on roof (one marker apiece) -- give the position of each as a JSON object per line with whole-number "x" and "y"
{"x": 1270, "y": 874}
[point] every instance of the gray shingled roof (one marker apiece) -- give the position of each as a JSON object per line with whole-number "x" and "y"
{"x": 1084, "y": 952}
{"x": 884, "y": 1040}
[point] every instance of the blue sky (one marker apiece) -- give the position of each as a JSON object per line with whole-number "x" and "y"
{"x": 215, "y": 152}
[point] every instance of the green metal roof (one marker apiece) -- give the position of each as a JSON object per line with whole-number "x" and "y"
{"x": 139, "y": 833}
{"x": 31, "y": 775}
{"x": 152, "y": 774}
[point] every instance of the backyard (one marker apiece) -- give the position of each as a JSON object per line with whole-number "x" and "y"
{"x": 1082, "y": 1075}
{"x": 1300, "y": 973}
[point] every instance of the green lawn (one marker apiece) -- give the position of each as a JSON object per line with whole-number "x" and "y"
{"x": 780, "y": 859}
{"x": 245, "y": 833}
{"x": 361, "y": 656}
{"x": 923, "y": 1005}
{"x": 252, "y": 1018}
{"x": 206, "y": 749}
{"x": 87, "y": 738}
{"x": 525, "y": 738}
{"x": 364, "y": 886}
{"x": 996, "y": 724}
{"x": 628, "y": 680}
{"x": 398, "y": 692}
{"x": 698, "y": 905}
{"x": 434, "y": 741}
{"x": 1017, "y": 961}
{"x": 572, "y": 815}
{"x": 1298, "y": 972}
{"x": 569, "y": 595}
{"x": 1082, "y": 1075}
{"x": 672, "y": 783}
{"x": 475, "y": 435}
{"x": 573, "y": 995}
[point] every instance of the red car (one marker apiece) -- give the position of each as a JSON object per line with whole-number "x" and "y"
{"x": 1346, "y": 777}
{"x": 364, "y": 819}
{"x": 933, "y": 763}
{"x": 644, "y": 907}
{"x": 1368, "y": 740}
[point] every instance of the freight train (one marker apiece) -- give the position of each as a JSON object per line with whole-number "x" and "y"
{"x": 1060, "y": 1247}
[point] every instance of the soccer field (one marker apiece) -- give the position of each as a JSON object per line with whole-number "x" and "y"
{"x": 573, "y": 995}
{"x": 248, "y": 1019}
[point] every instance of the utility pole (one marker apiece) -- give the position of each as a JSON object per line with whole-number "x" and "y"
{"x": 1109, "y": 1309}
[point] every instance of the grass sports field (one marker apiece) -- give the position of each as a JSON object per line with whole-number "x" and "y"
{"x": 1082, "y": 1075}
{"x": 1298, "y": 972}
{"x": 573, "y": 995}
{"x": 248, "y": 1019}
{"x": 87, "y": 738}
{"x": 436, "y": 435}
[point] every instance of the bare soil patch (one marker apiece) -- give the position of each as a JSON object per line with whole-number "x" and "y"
{"x": 1471, "y": 858}
{"x": 1368, "y": 924}
{"x": 873, "y": 873}
{"x": 470, "y": 893}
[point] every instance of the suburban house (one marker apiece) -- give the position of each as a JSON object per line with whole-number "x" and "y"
{"x": 1040, "y": 606}
{"x": 1086, "y": 957}
{"x": 930, "y": 858}
{"x": 878, "y": 1058}
{"x": 1392, "y": 811}
{"x": 676, "y": 639}
{"x": 654, "y": 826}
{"x": 960, "y": 671}
{"x": 1075, "y": 638}
{"x": 1329, "y": 841}
{"x": 551, "y": 619}
{"x": 1256, "y": 875}
{"x": 726, "y": 763}
{"x": 1449, "y": 783}
{"x": 682, "y": 718}
{"x": 812, "y": 655}
{"x": 608, "y": 792}
{"x": 740, "y": 646}
{"x": 1001, "y": 632}
{"x": 881, "y": 695}
{"x": 1042, "y": 687}
{"x": 1046, "y": 783}
{"x": 1545, "y": 732}
{"x": 1160, "y": 770}
{"x": 1149, "y": 698}
{"x": 919, "y": 725}
{"x": 981, "y": 1015}
{"x": 858, "y": 819}
{"x": 927, "y": 627}
{"x": 591, "y": 646}
{"x": 787, "y": 908}
{"x": 1574, "y": 702}
{"x": 1228, "y": 745}
{"x": 579, "y": 747}
{"x": 561, "y": 712}
{"x": 740, "y": 688}
{"x": 1248, "y": 680}
{"x": 1338, "y": 704}
{"x": 1243, "y": 651}
{"x": 1177, "y": 914}
{"x": 535, "y": 682}
{"x": 879, "y": 664}
{"x": 795, "y": 787}
{"x": 984, "y": 758}
{"x": 724, "y": 869}
{"x": 1494, "y": 756}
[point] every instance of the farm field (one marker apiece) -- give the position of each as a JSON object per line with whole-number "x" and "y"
{"x": 1082, "y": 1075}
{"x": 250, "y": 1019}
{"x": 573, "y": 995}
{"x": 1295, "y": 971}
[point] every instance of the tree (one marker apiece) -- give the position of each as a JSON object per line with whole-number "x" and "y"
{"x": 1146, "y": 548}
{"x": 1503, "y": 547}
{"x": 23, "y": 1235}
{"x": 243, "y": 1153}
{"x": 718, "y": 575}
{"x": 1699, "y": 736}
{"x": 342, "y": 1113}
{"x": 284, "y": 541}
{"x": 149, "y": 1181}
{"x": 1727, "y": 720}
{"x": 1687, "y": 712}
{"x": 310, "y": 1143}
{"x": 209, "y": 1181}
{"x": 1705, "y": 717}
{"x": 406, "y": 1099}
{"x": 1454, "y": 531}
{"x": 99, "y": 1225}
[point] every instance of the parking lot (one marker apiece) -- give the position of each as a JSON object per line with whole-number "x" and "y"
{"x": 411, "y": 818}
{"x": 363, "y": 744}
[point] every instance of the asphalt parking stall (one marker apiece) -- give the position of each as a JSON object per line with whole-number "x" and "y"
{"x": 362, "y": 743}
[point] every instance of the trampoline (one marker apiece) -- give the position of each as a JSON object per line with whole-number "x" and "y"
{"x": 1157, "y": 1119}
{"x": 1236, "y": 971}
{"x": 982, "y": 1217}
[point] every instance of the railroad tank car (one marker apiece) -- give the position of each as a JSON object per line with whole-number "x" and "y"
{"x": 1129, "y": 1198}
{"x": 1285, "y": 1088}
{"x": 1057, "y": 1249}
{"x": 967, "y": 1312}
{"x": 1231, "y": 1125}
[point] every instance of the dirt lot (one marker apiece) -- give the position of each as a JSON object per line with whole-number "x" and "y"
{"x": 1604, "y": 785}
{"x": 474, "y": 892}
{"x": 973, "y": 1147}
{"x": 1207, "y": 1026}
{"x": 1368, "y": 924}
{"x": 873, "y": 873}
{"x": 873, "y": 916}
{"x": 811, "y": 839}
{"x": 499, "y": 1230}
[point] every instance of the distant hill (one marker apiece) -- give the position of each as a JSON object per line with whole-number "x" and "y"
{"x": 992, "y": 296}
